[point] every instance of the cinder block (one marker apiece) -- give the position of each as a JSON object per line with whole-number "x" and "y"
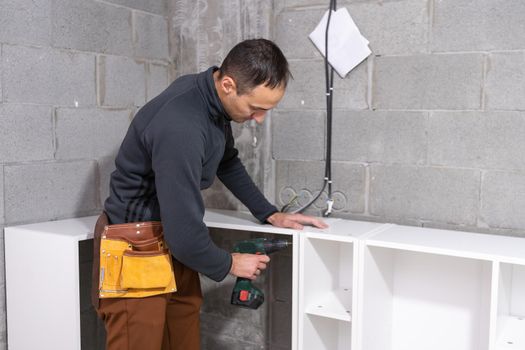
{"x": 298, "y": 135}
{"x": 305, "y": 179}
{"x": 466, "y": 25}
{"x": 157, "y": 80}
{"x": 122, "y": 82}
{"x": 256, "y": 19}
{"x": 292, "y": 30}
{"x": 25, "y": 22}
{"x": 305, "y": 3}
{"x": 393, "y": 27}
{"x": 90, "y": 133}
{"x": 425, "y": 193}
{"x": 428, "y": 82}
{"x": 184, "y": 36}
{"x": 26, "y": 133}
{"x": 505, "y": 76}
{"x": 502, "y": 199}
{"x": 154, "y": 6}
{"x": 380, "y": 136}
{"x": 151, "y": 36}
{"x": 219, "y": 197}
{"x": 92, "y": 26}
{"x": 48, "y": 191}
{"x": 46, "y": 76}
{"x": 479, "y": 140}
{"x": 307, "y": 88}
{"x": 207, "y": 31}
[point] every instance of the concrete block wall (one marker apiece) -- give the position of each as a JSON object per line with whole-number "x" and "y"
{"x": 427, "y": 131}
{"x": 72, "y": 75}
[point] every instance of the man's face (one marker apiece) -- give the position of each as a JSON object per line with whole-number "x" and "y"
{"x": 253, "y": 104}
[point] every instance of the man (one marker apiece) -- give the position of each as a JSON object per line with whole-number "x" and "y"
{"x": 174, "y": 148}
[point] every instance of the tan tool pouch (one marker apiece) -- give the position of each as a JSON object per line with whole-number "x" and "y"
{"x": 134, "y": 262}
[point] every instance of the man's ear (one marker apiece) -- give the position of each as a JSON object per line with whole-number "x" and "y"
{"x": 228, "y": 85}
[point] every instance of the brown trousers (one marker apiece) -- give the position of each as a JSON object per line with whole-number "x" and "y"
{"x": 160, "y": 322}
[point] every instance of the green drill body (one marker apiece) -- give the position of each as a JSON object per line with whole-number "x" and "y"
{"x": 244, "y": 293}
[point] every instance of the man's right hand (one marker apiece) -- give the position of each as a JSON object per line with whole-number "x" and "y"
{"x": 248, "y": 265}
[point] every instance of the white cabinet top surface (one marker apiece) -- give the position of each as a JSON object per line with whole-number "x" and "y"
{"x": 337, "y": 228}
{"x": 76, "y": 228}
{"x": 474, "y": 245}
{"x": 448, "y": 242}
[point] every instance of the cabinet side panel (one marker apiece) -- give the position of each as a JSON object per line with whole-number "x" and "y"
{"x": 517, "y": 299}
{"x": 42, "y": 280}
{"x": 377, "y": 299}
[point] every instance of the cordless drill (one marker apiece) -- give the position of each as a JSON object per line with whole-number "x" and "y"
{"x": 244, "y": 293}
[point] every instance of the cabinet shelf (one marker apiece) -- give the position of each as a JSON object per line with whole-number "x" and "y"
{"x": 334, "y": 305}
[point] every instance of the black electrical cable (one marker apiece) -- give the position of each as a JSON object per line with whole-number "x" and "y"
{"x": 329, "y": 78}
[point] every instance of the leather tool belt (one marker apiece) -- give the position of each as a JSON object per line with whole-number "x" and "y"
{"x": 135, "y": 261}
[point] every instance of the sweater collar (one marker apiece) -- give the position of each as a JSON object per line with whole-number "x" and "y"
{"x": 206, "y": 85}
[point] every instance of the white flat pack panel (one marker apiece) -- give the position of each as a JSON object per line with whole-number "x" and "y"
{"x": 343, "y": 230}
{"x": 517, "y": 301}
{"x": 42, "y": 289}
{"x": 453, "y": 243}
{"x": 236, "y": 220}
{"x": 375, "y": 293}
{"x": 78, "y": 228}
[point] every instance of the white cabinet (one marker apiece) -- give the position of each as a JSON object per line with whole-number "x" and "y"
{"x": 439, "y": 289}
{"x": 327, "y": 280}
{"x": 356, "y": 286}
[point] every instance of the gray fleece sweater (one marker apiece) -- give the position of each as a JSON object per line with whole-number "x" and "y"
{"x": 174, "y": 147}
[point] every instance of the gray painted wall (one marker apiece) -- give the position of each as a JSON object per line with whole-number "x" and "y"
{"x": 72, "y": 74}
{"x": 428, "y": 131}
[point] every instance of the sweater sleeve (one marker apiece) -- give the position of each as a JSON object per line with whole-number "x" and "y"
{"x": 177, "y": 157}
{"x": 234, "y": 176}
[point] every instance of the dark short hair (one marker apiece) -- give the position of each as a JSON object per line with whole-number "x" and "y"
{"x": 254, "y": 62}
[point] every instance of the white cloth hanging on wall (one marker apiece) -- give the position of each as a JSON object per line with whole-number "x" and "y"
{"x": 346, "y": 46}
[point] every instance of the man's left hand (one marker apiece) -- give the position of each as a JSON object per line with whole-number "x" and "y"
{"x": 295, "y": 221}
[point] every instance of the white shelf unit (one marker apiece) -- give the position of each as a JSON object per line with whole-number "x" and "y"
{"x": 43, "y": 283}
{"x": 432, "y": 289}
{"x": 326, "y": 283}
{"x": 43, "y": 277}
{"x": 356, "y": 285}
